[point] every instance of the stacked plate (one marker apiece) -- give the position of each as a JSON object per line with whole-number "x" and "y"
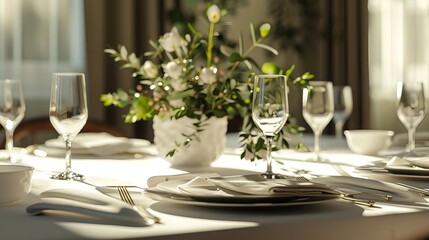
{"x": 95, "y": 144}
{"x": 241, "y": 191}
{"x": 415, "y": 163}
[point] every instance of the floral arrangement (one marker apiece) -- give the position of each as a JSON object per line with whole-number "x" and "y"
{"x": 187, "y": 77}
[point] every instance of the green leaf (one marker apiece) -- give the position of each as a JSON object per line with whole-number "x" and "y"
{"x": 290, "y": 71}
{"x": 181, "y": 95}
{"x": 124, "y": 52}
{"x": 264, "y": 29}
{"x": 240, "y": 43}
{"x": 243, "y": 154}
{"x": 111, "y": 51}
{"x": 153, "y": 44}
{"x": 170, "y": 153}
{"x": 225, "y": 50}
{"x": 271, "y": 49}
{"x": 248, "y": 64}
{"x": 235, "y": 57}
{"x": 254, "y": 63}
{"x": 259, "y": 144}
{"x": 232, "y": 83}
{"x": 252, "y": 33}
{"x": 192, "y": 29}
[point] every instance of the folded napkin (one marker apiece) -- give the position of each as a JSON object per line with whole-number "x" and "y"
{"x": 418, "y": 157}
{"x": 213, "y": 185}
{"x": 99, "y": 144}
{"x": 257, "y": 185}
{"x": 155, "y": 180}
{"x": 87, "y": 201}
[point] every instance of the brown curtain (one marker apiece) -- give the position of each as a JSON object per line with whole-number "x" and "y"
{"x": 328, "y": 38}
{"x": 338, "y": 54}
{"x": 109, "y": 23}
{"x": 347, "y": 54}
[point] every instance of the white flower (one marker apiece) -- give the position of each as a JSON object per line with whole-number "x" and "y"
{"x": 208, "y": 75}
{"x": 149, "y": 69}
{"x": 213, "y": 14}
{"x": 172, "y": 69}
{"x": 172, "y": 41}
{"x": 178, "y": 84}
{"x": 177, "y": 103}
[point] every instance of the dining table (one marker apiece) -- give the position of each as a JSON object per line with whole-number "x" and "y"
{"x": 334, "y": 219}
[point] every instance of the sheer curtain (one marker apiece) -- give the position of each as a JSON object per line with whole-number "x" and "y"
{"x": 398, "y": 51}
{"x": 38, "y": 38}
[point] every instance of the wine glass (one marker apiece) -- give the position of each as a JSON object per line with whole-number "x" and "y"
{"x": 318, "y": 108}
{"x": 411, "y": 108}
{"x": 68, "y": 113}
{"x": 12, "y": 110}
{"x": 270, "y": 111}
{"x": 343, "y": 107}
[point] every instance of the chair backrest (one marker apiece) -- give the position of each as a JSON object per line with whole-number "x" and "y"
{"x": 37, "y": 131}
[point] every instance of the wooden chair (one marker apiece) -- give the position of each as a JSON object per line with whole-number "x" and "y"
{"x": 37, "y": 131}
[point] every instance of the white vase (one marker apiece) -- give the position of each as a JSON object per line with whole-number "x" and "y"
{"x": 202, "y": 151}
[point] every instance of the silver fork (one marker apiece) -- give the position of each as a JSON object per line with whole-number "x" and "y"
{"x": 422, "y": 191}
{"x": 345, "y": 196}
{"x": 126, "y": 197}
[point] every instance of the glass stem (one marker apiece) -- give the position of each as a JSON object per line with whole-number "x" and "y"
{"x": 68, "y": 155}
{"x": 316, "y": 142}
{"x": 268, "y": 142}
{"x": 411, "y": 139}
{"x": 339, "y": 129}
{"x": 9, "y": 143}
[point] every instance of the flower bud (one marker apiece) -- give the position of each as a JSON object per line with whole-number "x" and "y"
{"x": 213, "y": 14}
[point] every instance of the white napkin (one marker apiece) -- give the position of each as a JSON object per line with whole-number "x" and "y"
{"x": 418, "y": 157}
{"x": 87, "y": 201}
{"x": 257, "y": 185}
{"x": 212, "y": 184}
{"x": 99, "y": 144}
{"x": 155, "y": 180}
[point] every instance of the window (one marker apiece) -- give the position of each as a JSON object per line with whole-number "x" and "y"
{"x": 398, "y": 51}
{"x": 38, "y": 38}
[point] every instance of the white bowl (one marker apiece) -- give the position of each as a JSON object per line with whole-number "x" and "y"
{"x": 368, "y": 142}
{"x": 15, "y": 183}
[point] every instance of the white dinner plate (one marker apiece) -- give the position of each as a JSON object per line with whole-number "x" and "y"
{"x": 97, "y": 144}
{"x": 200, "y": 202}
{"x": 403, "y": 168}
{"x": 215, "y": 197}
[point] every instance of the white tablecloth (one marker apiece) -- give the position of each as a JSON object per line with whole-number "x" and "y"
{"x": 330, "y": 220}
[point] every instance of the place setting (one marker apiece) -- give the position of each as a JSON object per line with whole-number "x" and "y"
{"x": 241, "y": 191}
{"x": 96, "y": 145}
{"x": 413, "y": 164}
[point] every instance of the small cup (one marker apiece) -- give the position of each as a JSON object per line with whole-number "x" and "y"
{"x": 369, "y": 142}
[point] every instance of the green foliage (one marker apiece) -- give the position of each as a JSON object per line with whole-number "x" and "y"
{"x": 176, "y": 78}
